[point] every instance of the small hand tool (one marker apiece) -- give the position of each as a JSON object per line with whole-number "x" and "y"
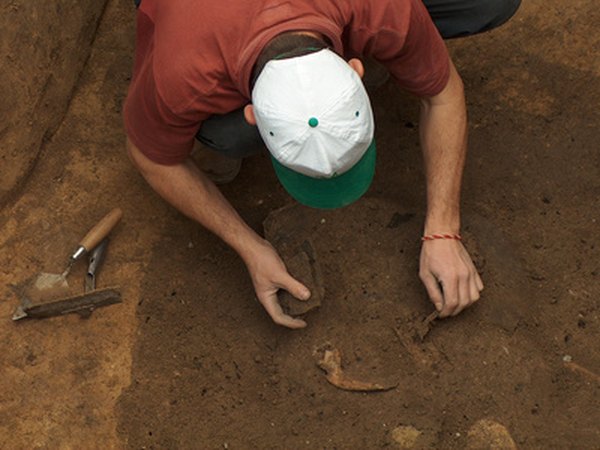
{"x": 94, "y": 263}
{"x": 53, "y": 285}
{"x": 82, "y": 304}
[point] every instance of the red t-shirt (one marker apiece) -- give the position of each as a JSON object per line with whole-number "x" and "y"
{"x": 194, "y": 58}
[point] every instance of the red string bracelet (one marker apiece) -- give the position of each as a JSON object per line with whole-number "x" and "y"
{"x": 431, "y": 237}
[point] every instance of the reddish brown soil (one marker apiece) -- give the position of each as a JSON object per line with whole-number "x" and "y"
{"x": 190, "y": 360}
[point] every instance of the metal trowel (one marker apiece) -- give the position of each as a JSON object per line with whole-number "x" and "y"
{"x": 52, "y": 285}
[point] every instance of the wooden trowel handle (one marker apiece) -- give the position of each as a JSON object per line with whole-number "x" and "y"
{"x": 101, "y": 229}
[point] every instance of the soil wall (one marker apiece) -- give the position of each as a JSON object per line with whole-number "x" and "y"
{"x": 43, "y": 48}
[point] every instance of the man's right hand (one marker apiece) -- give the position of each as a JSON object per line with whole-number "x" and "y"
{"x": 191, "y": 192}
{"x": 269, "y": 274}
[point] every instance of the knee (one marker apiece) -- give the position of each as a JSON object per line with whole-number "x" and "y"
{"x": 468, "y": 17}
{"x": 230, "y": 135}
{"x": 233, "y": 146}
{"x": 237, "y": 145}
{"x": 494, "y": 13}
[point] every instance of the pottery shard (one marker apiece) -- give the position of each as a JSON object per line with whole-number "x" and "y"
{"x": 306, "y": 270}
{"x": 405, "y": 436}
{"x": 488, "y": 434}
{"x": 288, "y": 233}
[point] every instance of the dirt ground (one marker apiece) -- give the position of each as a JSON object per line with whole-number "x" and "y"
{"x": 190, "y": 360}
{"x": 42, "y": 54}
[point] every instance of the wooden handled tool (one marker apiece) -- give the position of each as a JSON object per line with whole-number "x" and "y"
{"x": 52, "y": 285}
{"x": 96, "y": 234}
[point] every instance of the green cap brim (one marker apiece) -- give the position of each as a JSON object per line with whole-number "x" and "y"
{"x": 329, "y": 193}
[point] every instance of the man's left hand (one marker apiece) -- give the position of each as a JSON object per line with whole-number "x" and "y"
{"x": 449, "y": 276}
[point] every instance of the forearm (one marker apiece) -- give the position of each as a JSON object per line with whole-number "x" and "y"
{"x": 446, "y": 268}
{"x": 443, "y": 134}
{"x": 186, "y": 188}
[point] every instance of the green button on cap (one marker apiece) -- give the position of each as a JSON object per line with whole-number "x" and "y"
{"x": 313, "y": 122}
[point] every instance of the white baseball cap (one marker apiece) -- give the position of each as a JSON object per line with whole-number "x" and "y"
{"x": 315, "y": 118}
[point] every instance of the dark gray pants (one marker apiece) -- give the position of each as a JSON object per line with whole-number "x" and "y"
{"x": 232, "y": 136}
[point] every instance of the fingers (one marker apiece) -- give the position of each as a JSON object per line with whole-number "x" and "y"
{"x": 449, "y": 276}
{"x": 433, "y": 290}
{"x": 271, "y": 305}
{"x": 293, "y": 286}
{"x": 271, "y": 302}
{"x": 474, "y": 289}
{"x": 478, "y": 282}
{"x": 467, "y": 292}
{"x": 451, "y": 297}
{"x": 465, "y": 297}
{"x": 269, "y": 274}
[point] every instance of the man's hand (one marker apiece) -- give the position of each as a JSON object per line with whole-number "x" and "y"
{"x": 269, "y": 274}
{"x": 189, "y": 190}
{"x": 449, "y": 276}
{"x": 446, "y": 268}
